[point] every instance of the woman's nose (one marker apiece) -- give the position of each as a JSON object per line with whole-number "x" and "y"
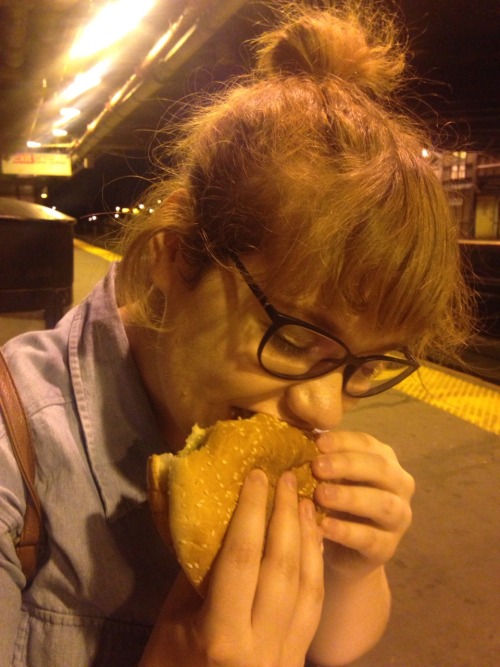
{"x": 318, "y": 402}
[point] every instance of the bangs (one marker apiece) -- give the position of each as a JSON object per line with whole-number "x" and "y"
{"x": 386, "y": 255}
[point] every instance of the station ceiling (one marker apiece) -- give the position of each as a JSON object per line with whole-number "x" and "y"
{"x": 182, "y": 47}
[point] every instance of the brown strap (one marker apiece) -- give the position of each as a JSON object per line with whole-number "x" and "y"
{"x": 22, "y": 445}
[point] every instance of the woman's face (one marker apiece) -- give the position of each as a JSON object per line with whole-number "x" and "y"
{"x": 205, "y": 368}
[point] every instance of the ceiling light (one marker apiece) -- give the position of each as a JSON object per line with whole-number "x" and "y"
{"x": 112, "y": 23}
{"x": 86, "y": 81}
{"x": 59, "y": 132}
{"x": 33, "y": 144}
{"x": 68, "y": 113}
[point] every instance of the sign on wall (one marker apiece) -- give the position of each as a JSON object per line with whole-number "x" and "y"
{"x": 37, "y": 164}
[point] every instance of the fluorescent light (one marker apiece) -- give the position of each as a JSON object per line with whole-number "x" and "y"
{"x": 68, "y": 113}
{"x": 86, "y": 81}
{"x": 33, "y": 144}
{"x": 112, "y": 23}
{"x": 59, "y": 132}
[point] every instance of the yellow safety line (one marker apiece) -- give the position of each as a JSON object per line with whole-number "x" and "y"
{"x": 107, "y": 255}
{"x": 473, "y": 402}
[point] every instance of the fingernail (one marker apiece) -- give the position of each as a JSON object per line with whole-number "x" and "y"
{"x": 290, "y": 480}
{"x": 323, "y": 465}
{"x": 328, "y": 490}
{"x": 257, "y": 476}
{"x": 309, "y": 510}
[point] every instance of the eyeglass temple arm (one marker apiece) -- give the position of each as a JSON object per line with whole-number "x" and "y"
{"x": 257, "y": 292}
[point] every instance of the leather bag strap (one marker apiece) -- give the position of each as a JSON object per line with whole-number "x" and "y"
{"x": 28, "y": 547}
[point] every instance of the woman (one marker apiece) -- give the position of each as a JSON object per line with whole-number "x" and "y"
{"x": 303, "y": 257}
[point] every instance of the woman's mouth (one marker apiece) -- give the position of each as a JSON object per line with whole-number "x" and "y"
{"x": 240, "y": 413}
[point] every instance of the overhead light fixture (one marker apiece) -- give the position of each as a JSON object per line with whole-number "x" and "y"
{"x": 68, "y": 113}
{"x": 59, "y": 132}
{"x": 86, "y": 81}
{"x": 33, "y": 144}
{"x": 112, "y": 23}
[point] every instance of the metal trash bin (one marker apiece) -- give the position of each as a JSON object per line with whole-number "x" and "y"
{"x": 36, "y": 259}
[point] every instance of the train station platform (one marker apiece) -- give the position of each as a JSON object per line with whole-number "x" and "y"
{"x": 445, "y": 428}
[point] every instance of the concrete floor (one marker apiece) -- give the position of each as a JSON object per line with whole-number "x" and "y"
{"x": 446, "y": 575}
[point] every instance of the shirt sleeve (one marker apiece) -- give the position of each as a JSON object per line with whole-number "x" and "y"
{"x": 12, "y": 580}
{"x": 10, "y": 604}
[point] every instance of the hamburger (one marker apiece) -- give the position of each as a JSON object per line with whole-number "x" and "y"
{"x": 193, "y": 494}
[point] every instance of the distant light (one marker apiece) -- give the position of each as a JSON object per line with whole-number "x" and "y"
{"x": 159, "y": 45}
{"x": 44, "y": 195}
{"x": 117, "y": 208}
{"x": 33, "y": 144}
{"x": 112, "y": 23}
{"x": 425, "y": 153}
{"x": 151, "y": 210}
{"x": 116, "y": 97}
{"x": 54, "y": 208}
{"x": 141, "y": 206}
{"x": 125, "y": 210}
{"x": 117, "y": 215}
{"x": 59, "y": 132}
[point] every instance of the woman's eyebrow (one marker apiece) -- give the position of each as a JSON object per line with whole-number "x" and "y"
{"x": 309, "y": 314}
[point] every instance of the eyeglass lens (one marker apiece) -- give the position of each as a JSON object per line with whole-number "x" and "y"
{"x": 294, "y": 351}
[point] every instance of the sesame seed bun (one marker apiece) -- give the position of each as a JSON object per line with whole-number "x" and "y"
{"x": 193, "y": 494}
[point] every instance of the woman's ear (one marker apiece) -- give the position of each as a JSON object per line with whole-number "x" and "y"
{"x": 164, "y": 247}
{"x": 163, "y": 250}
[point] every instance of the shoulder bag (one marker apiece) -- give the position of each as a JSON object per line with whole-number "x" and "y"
{"x": 28, "y": 546}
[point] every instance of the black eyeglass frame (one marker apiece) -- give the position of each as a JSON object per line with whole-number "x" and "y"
{"x": 351, "y": 361}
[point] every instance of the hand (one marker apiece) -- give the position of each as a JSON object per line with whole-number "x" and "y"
{"x": 260, "y": 609}
{"x": 367, "y": 495}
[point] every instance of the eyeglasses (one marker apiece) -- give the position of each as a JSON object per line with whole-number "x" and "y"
{"x": 296, "y": 350}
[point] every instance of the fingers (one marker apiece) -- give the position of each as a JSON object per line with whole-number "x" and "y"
{"x": 309, "y": 603}
{"x": 235, "y": 572}
{"x": 220, "y": 632}
{"x": 381, "y": 508}
{"x": 290, "y": 587}
{"x": 279, "y": 575}
{"x": 365, "y": 520}
{"x": 292, "y": 561}
{"x": 266, "y": 589}
{"x": 360, "y": 458}
{"x": 366, "y": 493}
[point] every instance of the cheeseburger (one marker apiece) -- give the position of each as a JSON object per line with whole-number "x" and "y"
{"x": 193, "y": 493}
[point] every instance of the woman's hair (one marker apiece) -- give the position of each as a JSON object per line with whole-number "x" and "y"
{"x": 311, "y": 163}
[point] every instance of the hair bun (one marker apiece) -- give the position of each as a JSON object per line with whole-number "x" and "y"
{"x": 343, "y": 44}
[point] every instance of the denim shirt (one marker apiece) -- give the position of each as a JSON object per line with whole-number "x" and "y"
{"x": 105, "y": 572}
